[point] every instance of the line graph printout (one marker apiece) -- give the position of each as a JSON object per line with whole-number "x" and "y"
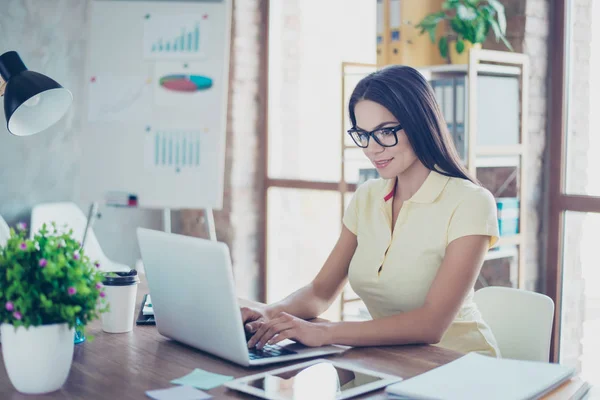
{"x": 119, "y": 98}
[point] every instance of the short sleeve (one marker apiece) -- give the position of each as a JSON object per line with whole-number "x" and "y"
{"x": 476, "y": 214}
{"x": 351, "y": 214}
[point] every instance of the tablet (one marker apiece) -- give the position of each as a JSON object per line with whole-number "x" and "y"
{"x": 316, "y": 379}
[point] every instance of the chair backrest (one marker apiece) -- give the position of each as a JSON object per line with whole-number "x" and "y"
{"x": 70, "y": 214}
{"x": 520, "y": 320}
{"x": 4, "y": 232}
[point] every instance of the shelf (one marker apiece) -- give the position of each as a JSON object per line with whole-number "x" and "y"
{"x": 354, "y": 318}
{"x": 513, "y": 240}
{"x": 350, "y": 295}
{"x": 509, "y": 252}
{"x": 463, "y": 69}
{"x": 352, "y": 299}
{"x": 356, "y": 311}
{"x": 497, "y": 161}
{"x": 509, "y": 150}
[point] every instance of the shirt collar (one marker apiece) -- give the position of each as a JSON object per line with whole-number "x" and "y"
{"x": 429, "y": 191}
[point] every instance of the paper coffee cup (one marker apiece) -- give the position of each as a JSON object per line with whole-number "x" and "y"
{"x": 121, "y": 292}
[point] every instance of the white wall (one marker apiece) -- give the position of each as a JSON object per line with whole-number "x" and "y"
{"x": 45, "y": 168}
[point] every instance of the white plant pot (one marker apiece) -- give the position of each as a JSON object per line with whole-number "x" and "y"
{"x": 37, "y": 359}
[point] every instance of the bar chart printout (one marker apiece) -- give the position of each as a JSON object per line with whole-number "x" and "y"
{"x": 175, "y": 37}
{"x": 172, "y": 150}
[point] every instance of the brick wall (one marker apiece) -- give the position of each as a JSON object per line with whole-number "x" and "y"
{"x": 238, "y": 223}
{"x": 577, "y": 179}
{"x": 535, "y": 44}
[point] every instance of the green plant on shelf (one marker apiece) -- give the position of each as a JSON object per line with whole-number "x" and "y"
{"x": 470, "y": 21}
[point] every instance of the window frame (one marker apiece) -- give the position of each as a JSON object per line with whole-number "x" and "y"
{"x": 559, "y": 201}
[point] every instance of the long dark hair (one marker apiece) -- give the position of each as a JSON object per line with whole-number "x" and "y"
{"x": 410, "y": 98}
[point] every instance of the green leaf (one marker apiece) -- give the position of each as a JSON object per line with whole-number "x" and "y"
{"x": 431, "y": 32}
{"x": 457, "y": 25}
{"x": 450, "y": 4}
{"x": 500, "y": 14}
{"x": 429, "y": 24}
{"x": 466, "y": 13}
{"x": 487, "y": 28}
{"x": 506, "y": 43}
{"x": 496, "y": 30}
{"x": 480, "y": 31}
{"x": 443, "y": 46}
{"x": 500, "y": 36}
{"x": 460, "y": 46}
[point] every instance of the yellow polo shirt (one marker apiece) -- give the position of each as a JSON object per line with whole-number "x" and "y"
{"x": 392, "y": 272}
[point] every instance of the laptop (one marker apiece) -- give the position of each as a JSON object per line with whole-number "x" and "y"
{"x": 194, "y": 301}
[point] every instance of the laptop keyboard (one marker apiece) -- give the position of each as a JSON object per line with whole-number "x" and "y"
{"x": 269, "y": 350}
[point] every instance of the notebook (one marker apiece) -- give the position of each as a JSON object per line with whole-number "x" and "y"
{"x": 475, "y": 376}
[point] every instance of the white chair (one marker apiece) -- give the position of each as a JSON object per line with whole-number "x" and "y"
{"x": 520, "y": 320}
{"x": 4, "y": 232}
{"x": 71, "y": 215}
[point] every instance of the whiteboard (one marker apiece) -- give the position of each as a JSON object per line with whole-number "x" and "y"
{"x": 155, "y": 104}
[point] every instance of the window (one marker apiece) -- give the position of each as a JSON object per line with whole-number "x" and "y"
{"x": 308, "y": 41}
{"x": 573, "y": 278}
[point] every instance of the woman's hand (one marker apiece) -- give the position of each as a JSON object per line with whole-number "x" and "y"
{"x": 285, "y": 326}
{"x": 252, "y": 317}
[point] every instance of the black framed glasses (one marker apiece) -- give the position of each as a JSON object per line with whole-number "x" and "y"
{"x": 386, "y": 136}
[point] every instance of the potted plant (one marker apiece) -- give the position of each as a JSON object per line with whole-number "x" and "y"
{"x": 47, "y": 286}
{"x": 470, "y": 22}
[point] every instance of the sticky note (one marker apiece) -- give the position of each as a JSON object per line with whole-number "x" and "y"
{"x": 201, "y": 379}
{"x": 178, "y": 393}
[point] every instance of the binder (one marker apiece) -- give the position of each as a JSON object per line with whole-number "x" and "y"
{"x": 381, "y": 32}
{"x": 476, "y": 376}
{"x": 394, "y": 32}
{"x": 400, "y": 41}
{"x": 450, "y": 94}
{"x": 460, "y": 130}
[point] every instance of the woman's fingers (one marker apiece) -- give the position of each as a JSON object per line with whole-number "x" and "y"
{"x": 254, "y": 325}
{"x": 263, "y": 327}
{"x": 249, "y": 314}
{"x": 272, "y": 331}
{"x": 282, "y": 336}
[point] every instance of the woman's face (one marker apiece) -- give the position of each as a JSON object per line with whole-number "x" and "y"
{"x": 389, "y": 161}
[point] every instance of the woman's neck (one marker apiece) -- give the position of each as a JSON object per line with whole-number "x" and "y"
{"x": 411, "y": 180}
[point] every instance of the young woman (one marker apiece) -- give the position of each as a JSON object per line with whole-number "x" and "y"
{"x": 413, "y": 241}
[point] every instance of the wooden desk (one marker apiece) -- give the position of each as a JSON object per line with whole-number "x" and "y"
{"x": 124, "y": 366}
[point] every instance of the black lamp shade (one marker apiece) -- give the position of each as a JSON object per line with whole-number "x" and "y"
{"x": 32, "y": 101}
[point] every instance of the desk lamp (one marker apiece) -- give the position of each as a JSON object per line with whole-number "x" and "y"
{"x": 32, "y": 101}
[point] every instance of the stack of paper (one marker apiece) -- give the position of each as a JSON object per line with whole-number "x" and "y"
{"x": 148, "y": 309}
{"x": 475, "y": 376}
{"x": 202, "y": 379}
{"x": 178, "y": 393}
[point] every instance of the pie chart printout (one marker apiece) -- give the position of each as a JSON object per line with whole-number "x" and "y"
{"x": 185, "y": 83}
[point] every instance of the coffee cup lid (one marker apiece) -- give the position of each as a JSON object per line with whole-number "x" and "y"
{"x": 121, "y": 278}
